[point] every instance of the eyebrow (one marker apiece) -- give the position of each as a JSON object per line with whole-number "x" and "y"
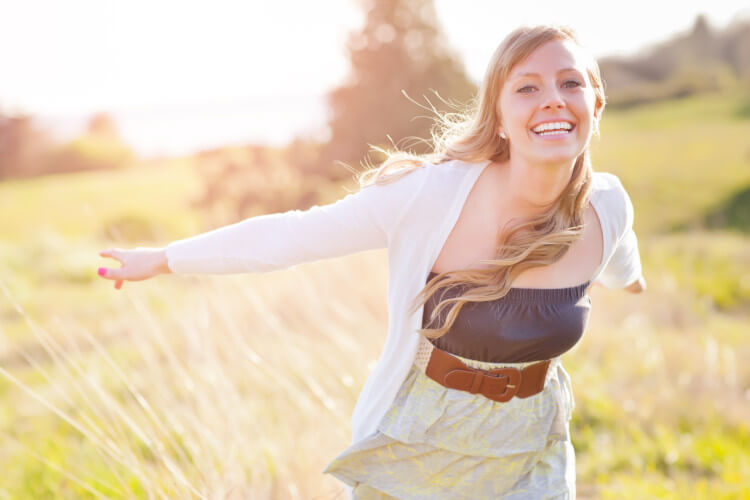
{"x": 537, "y": 74}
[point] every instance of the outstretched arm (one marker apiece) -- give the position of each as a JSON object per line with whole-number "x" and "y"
{"x": 360, "y": 221}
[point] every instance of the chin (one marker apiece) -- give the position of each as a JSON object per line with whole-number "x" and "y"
{"x": 555, "y": 159}
{"x": 551, "y": 153}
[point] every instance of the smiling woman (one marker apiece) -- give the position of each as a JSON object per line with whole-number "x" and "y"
{"x": 447, "y": 438}
{"x": 493, "y": 243}
{"x": 548, "y": 97}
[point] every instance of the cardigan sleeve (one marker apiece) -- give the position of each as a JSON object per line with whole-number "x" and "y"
{"x": 360, "y": 221}
{"x": 624, "y": 267}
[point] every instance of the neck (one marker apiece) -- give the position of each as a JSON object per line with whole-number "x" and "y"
{"x": 532, "y": 187}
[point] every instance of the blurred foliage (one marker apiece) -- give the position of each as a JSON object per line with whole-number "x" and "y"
{"x": 715, "y": 266}
{"x": 400, "y": 49}
{"x": 129, "y": 227}
{"x": 703, "y": 59}
{"x": 679, "y": 159}
{"x": 244, "y": 181}
{"x": 23, "y": 147}
{"x": 743, "y": 110}
{"x": 27, "y": 151}
{"x": 731, "y": 213}
{"x": 98, "y": 148}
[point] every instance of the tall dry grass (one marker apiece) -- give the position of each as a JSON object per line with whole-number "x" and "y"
{"x": 242, "y": 388}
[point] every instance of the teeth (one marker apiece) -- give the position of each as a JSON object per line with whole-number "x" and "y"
{"x": 553, "y": 126}
{"x": 553, "y": 132}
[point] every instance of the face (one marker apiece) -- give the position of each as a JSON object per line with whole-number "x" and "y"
{"x": 551, "y": 87}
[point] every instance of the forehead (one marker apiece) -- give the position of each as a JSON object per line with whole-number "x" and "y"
{"x": 550, "y": 58}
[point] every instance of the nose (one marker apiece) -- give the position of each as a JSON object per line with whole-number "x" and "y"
{"x": 552, "y": 99}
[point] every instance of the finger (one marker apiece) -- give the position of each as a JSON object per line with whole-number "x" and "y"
{"x": 118, "y": 284}
{"x": 112, "y": 274}
{"x": 111, "y": 253}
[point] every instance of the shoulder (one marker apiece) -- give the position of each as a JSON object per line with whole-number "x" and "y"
{"x": 398, "y": 184}
{"x": 612, "y": 200}
{"x": 394, "y": 194}
{"x": 429, "y": 177}
{"x": 608, "y": 184}
{"x": 423, "y": 194}
{"x": 445, "y": 175}
{"x": 449, "y": 175}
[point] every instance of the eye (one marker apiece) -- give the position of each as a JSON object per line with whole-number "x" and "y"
{"x": 577, "y": 83}
{"x": 524, "y": 88}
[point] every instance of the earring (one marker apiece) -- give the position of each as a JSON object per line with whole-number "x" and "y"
{"x": 503, "y": 136}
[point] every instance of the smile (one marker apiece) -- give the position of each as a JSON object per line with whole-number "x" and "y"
{"x": 554, "y": 130}
{"x": 558, "y": 128}
{"x": 559, "y": 132}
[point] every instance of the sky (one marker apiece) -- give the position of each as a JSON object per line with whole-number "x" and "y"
{"x": 183, "y": 76}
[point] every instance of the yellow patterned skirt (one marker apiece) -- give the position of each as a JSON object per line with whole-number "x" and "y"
{"x": 439, "y": 443}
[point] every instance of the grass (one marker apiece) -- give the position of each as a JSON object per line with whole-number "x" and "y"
{"x": 676, "y": 159}
{"x": 243, "y": 386}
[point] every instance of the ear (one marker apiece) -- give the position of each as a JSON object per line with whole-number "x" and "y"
{"x": 597, "y": 110}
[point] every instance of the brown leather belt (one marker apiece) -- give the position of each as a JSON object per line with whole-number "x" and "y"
{"x": 497, "y": 384}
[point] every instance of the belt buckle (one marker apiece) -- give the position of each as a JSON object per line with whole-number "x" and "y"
{"x": 512, "y": 378}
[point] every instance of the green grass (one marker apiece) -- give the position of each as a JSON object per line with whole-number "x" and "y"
{"x": 713, "y": 266}
{"x": 676, "y": 159}
{"x": 90, "y": 205}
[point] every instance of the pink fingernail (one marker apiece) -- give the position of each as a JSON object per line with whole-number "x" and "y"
{"x": 102, "y": 271}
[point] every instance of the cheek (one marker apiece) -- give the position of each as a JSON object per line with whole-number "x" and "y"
{"x": 589, "y": 102}
{"x": 501, "y": 111}
{"x": 516, "y": 114}
{"x": 510, "y": 107}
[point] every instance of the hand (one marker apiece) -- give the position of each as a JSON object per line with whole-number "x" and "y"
{"x": 138, "y": 264}
{"x": 637, "y": 286}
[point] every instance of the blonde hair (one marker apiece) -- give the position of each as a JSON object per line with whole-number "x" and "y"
{"x": 472, "y": 136}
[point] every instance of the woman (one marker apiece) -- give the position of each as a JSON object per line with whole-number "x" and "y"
{"x": 493, "y": 242}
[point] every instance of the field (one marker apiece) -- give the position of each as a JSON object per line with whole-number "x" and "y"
{"x": 242, "y": 386}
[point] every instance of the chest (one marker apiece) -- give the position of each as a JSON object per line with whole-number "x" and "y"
{"x": 474, "y": 238}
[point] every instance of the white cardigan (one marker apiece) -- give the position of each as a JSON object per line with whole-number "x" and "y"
{"x": 412, "y": 217}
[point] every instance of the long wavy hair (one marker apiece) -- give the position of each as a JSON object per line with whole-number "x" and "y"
{"x": 472, "y": 136}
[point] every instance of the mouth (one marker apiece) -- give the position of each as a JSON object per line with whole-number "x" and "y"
{"x": 554, "y": 130}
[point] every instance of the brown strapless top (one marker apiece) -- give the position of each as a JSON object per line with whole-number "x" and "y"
{"x": 528, "y": 324}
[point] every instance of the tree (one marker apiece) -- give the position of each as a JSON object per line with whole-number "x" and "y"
{"x": 400, "y": 48}
{"x": 99, "y": 147}
{"x": 26, "y": 150}
{"x": 23, "y": 146}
